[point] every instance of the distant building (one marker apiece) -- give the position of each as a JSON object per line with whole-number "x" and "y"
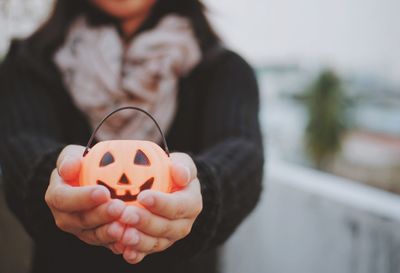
{"x": 371, "y": 150}
{"x": 371, "y": 158}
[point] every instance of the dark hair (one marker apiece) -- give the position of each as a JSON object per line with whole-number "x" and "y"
{"x": 52, "y": 33}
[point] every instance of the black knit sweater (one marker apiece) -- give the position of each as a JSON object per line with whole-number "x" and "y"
{"x": 216, "y": 123}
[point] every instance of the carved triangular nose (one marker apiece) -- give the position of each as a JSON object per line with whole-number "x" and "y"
{"x": 124, "y": 180}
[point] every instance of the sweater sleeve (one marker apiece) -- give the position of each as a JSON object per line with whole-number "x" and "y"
{"x": 230, "y": 165}
{"x": 30, "y": 143}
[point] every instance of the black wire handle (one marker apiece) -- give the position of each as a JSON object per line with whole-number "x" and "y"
{"x": 120, "y": 109}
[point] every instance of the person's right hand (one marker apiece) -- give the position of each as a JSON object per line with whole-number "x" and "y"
{"x": 87, "y": 212}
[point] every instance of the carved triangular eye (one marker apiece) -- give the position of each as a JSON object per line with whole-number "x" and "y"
{"x": 141, "y": 158}
{"x": 107, "y": 159}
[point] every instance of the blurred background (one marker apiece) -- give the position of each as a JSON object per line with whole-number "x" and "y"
{"x": 329, "y": 75}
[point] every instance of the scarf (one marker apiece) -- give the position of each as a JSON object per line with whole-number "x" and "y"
{"x": 102, "y": 73}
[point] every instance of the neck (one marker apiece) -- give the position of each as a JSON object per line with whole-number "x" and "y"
{"x": 130, "y": 26}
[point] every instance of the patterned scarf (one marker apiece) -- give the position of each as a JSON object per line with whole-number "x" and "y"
{"x": 102, "y": 73}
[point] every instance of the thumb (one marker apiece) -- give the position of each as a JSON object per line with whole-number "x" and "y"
{"x": 180, "y": 174}
{"x": 183, "y": 169}
{"x": 69, "y": 162}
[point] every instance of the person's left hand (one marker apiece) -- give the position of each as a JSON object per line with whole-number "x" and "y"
{"x": 168, "y": 217}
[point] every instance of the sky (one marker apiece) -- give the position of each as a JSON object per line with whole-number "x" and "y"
{"x": 347, "y": 34}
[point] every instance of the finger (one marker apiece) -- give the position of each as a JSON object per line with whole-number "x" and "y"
{"x": 69, "y": 162}
{"x": 113, "y": 249}
{"x": 67, "y": 222}
{"x": 120, "y": 248}
{"x": 186, "y": 203}
{"x": 76, "y": 222}
{"x": 183, "y": 169}
{"x": 66, "y": 198}
{"x": 132, "y": 256}
{"x": 101, "y": 215}
{"x": 142, "y": 242}
{"x": 180, "y": 174}
{"x": 155, "y": 225}
{"x": 104, "y": 235}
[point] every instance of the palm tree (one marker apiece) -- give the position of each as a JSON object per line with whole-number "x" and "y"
{"x": 327, "y": 124}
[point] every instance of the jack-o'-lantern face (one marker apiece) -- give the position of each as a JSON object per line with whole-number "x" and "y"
{"x": 126, "y": 167}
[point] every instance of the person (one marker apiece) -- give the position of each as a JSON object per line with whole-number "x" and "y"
{"x": 90, "y": 58}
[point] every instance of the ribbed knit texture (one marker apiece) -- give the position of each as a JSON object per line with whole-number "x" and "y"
{"x": 216, "y": 123}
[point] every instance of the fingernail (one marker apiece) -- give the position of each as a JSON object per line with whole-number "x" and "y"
{"x": 115, "y": 209}
{"x": 115, "y": 230}
{"x": 185, "y": 170}
{"x": 119, "y": 247}
{"x": 63, "y": 163}
{"x": 133, "y": 239}
{"x": 130, "y": 218}
{"x": 132, "y": 255}
{"x": 99, "y": 195}
{"x": 148, "y": 201}
{"x": 187, "y": 173}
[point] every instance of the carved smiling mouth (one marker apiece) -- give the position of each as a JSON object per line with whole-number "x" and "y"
{"x": 127, "y": 196}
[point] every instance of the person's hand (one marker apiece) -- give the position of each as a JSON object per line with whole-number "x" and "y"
{"x": 87, "y": 212}
{"x": 165, "y": 218}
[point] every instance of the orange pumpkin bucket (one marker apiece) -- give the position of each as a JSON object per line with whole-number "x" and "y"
{"x": 126, "y": 167}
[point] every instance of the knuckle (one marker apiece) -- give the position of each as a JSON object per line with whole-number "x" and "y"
{"x": 57, "y": 198}
{"x": 94, "y": 238}
{"x": 84, "y": 221}
{"x": 198, "y": 207}
{"x": 145, "y": 218}
{"x": 180, "y": 210}
{"x": 100, "y": 234}
{"x": 163, "y": 205}
{"x": 187, "y": 230}
{"x": 164, "y": 230}
{"x": 168, "y": 244}
{"x": 83, "y": 238}
{"x": 116, "y": 249}
{"x": 162, "y": 245}
{"x": 156, "y": 245}
{"x": 90, "y": 241}
{"x": 53, "y": 175}
{"x": 184, "y": 231}
{"x": 47, "y": 197}
{"x": 112, "y": 248}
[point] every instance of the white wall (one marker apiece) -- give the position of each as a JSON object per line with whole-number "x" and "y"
{"x": 18, "y": 18}
{"x": 310, "y": 222}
